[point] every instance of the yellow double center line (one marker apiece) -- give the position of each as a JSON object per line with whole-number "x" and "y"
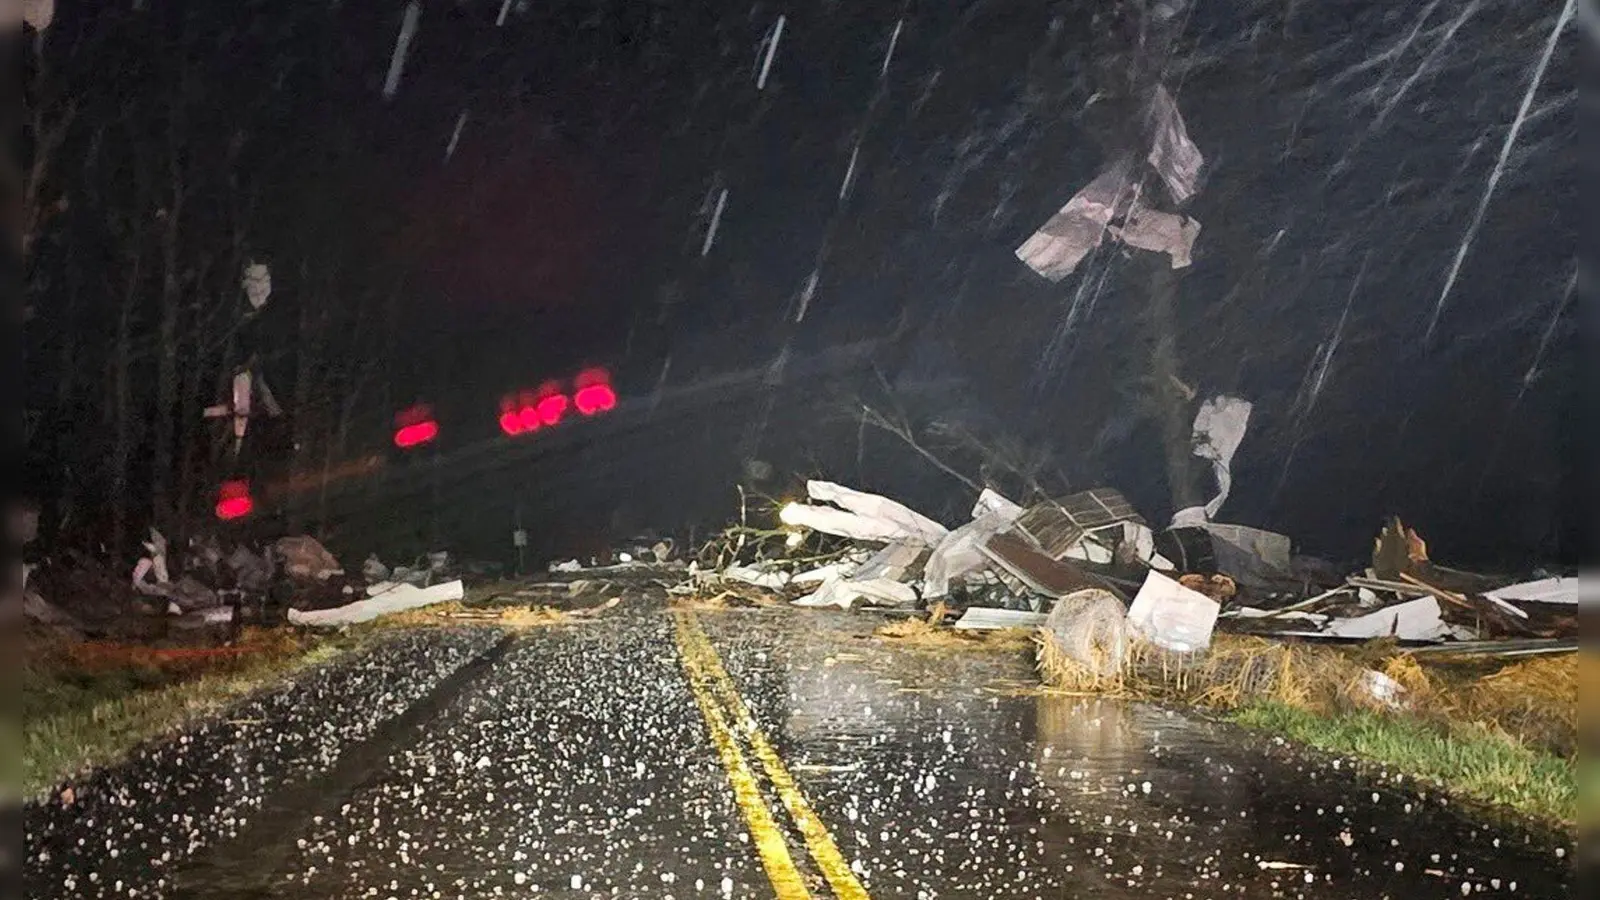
{"x": 721, "y": 704}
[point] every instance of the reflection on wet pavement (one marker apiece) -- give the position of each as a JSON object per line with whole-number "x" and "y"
{"x": 941, "y": 781}
{"x": 577, "y": 763}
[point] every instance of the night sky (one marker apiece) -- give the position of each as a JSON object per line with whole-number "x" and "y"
{"x": 1348, "y": 147}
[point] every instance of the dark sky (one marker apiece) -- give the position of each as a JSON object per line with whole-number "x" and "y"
{"x": 567, "y": 224}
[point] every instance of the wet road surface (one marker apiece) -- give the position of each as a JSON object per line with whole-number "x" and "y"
{"x": 760, "y": 754}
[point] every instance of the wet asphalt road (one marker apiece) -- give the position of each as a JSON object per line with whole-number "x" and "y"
{"x": 758, "y": 754}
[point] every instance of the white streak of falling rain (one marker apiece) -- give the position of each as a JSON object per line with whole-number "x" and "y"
{"x": 1322, "y": 361}
{"x": 455, "y": 136}
{"x": 1395, "y": 50}
{"x": 402, "y": 45}
{"x": 716, "y": 219}
{"x": 501, "y": 19}
{"x": 806, "y": 294}
{"x": 894, "y": 39}
{"x": 850, "y": 171}
{"x": 1527, "y": 380}
{"x": 1532, "y": 374}
{"x": 1500, "y": 165}
{"x": 1332, "y": 345}
{"x": 1426, "y": 64}
{"x": 773, "y": 37}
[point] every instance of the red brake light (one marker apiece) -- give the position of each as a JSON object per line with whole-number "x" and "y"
{"x": 551, "y": 408}
{"x": 416, "y": 434}
{"x": 233, "y": 500}
{"x": 595, "y": 398}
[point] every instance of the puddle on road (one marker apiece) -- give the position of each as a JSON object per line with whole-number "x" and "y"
{"x": 938, "y": 783}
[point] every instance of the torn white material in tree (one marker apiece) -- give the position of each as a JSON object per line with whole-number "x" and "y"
{"x": 1219, "y": 428}
{"x": 1415, "y": 620}
{"x": 269, "y": 403}
{"x": 395, "y": 598}
{"x": 241, "y": 403}
{"x": 1172, "y": 616}
{"x": 1055, "y": 250}
{"x": 402, "y": 46}
{"x": 245, "y": 385}
{"x": 38, "y": 14}
{"x": 1544, "y": 590}
{"x": 257, "y": 284}
{"x": 961, "y": 550}
{"x": 863, "y": 516}
{"x": 1174, "y": 157}
{"x": 1159, "y": 232}
{"x": 985, "y": 618}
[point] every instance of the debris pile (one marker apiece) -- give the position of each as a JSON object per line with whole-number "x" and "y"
{"x": 204, "y": 592}
{"x": 1096, "y": 578}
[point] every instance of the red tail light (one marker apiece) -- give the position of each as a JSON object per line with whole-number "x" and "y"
{"x": 233, "y": 500}
{"x": 594, "y": 398}
{"x": 551, "y": 408}
{"x": 416, "y": 434}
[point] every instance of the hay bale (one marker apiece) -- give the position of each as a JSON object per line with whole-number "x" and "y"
{"x": 1535, "y": 701}
{"x": 1084, "y": 639}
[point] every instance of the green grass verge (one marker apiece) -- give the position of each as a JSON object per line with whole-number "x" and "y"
{"x": 74, "y": 721}
{"x": 1465, "y": 761}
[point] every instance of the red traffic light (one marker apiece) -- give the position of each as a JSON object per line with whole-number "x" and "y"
{"x": 233, "y": 500}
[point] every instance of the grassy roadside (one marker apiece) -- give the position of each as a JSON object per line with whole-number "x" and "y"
{"x": 86, "y": 705}
{"x": 1502, "y": 735}
{"x": 1466, "y": 760}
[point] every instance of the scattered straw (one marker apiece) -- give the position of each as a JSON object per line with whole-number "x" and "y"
{"x": 1530, "y": 707}
{"x": 456, "y": 613}
{"x": 926, "y": 635}
{"x": 1534, "y": 701}
{"x": 726, "y": 597}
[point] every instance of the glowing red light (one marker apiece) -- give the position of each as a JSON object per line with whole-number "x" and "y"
{"x": 234, "y": 508}
{"x": 594, "y": 398}
{"x": 416, "y": 434}
{"x": 510, "y": 422}
{"x": 592, "y": 376}
{"x": 552, "y": 408}
{"x": 529, "y": 417}
{"x": 233, "y": 500}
